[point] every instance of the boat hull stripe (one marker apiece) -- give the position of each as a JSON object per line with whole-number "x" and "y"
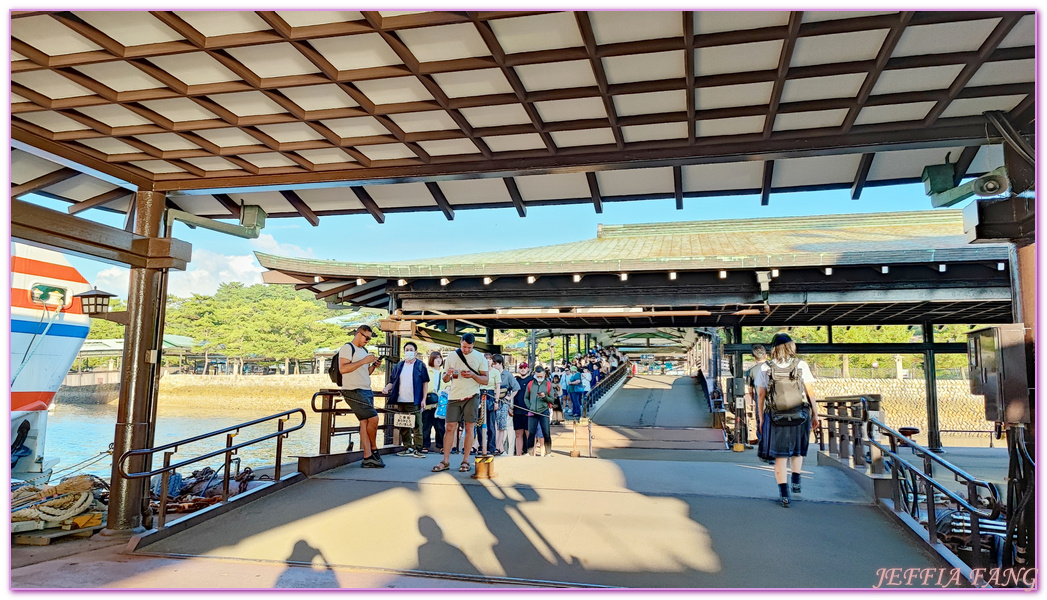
{"x": 31, "y": 400}
{"x": 39, "y": 268}
{"x": 58, "y": 329}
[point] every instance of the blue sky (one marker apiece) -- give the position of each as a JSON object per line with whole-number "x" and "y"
{"x": 404, "y": 236}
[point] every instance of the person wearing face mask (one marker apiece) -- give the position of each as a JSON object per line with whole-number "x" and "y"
{"x": 410, "y": 383}
{"x": 430, "y": 422}
{"x": 519, "y": 409}
{"x": 507, "y": 388}
{"x": 538, "y": 394}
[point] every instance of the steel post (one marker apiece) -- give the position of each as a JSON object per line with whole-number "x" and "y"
{"x": 934, "y": 436}
{"x": 138, "y": 377}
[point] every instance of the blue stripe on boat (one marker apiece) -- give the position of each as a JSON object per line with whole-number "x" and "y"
{"x": 58, "y": 329}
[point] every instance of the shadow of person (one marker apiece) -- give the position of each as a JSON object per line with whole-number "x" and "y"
{"x": 303, "y": 572}
{"x": 436, "y": 555}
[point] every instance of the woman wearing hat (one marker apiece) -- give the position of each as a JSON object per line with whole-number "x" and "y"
{"x": 785, "y": 442}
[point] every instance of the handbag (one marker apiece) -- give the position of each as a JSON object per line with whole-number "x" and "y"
{"x": 441, "y": 406}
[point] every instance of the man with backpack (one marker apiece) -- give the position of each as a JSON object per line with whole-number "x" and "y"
{"x": 465, "y": 371}
{"x": 752, "y": 426}
{"x": 785, "y": 393}
{"x": 355, "y": 364}
{"x": 538, "y": 395}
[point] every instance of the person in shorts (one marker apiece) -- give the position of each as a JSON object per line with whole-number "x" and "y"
{"x": 464, "y": 372}
{"x": 356, "y": 365}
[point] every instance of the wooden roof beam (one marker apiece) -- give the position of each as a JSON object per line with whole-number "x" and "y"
{"x": 990, "y": 44}
{"x": 594, "y": 189}
{"x": 678, "y": 185}
{"x": 228, "y": 203}
{"x": 795, "y": 19}
{"x": 441, "y": 199}
{"x": 585, "y": 26}
{"x": 299, "y": 205}
{"x": 688, "y": 65}
{"x": 874, "y": 74}
{"x": 99, "y": 200}
{"x": 765, "y": 189}
{"x": 861, "y": 175}
{"x": 514, "y": 193}
{"x": 369, "y": 203}
{"x": 43, "y": 181}
{"x": 495, "y": 47}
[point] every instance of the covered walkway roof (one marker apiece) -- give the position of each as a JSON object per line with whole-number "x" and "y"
{"x": 315, "y": 113}
{"x": 835, "y": 269}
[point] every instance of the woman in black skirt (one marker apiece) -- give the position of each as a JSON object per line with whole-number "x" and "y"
{"x": 786, "y": 444}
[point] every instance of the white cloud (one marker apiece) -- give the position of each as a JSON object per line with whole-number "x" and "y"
{"x": 267, "y": 243}
{"x": 115, "y": 280}
{"x": 208, "y": 269}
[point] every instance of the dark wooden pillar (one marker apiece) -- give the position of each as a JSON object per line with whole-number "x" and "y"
{"x": 145, "y": 298}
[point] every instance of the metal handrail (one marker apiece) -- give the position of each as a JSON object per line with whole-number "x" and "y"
{"x": 230, "y": 449}
{"x": 845, "y": 441}
{"x": 335, "y": 394}
{"x": 611, "y": 379}
{"x": 929, "y": 457}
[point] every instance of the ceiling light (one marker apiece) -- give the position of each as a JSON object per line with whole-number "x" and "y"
{"x": 577, "y": 278}
{"x": 531, "y": 279}
{"x": 401, "y": 282}
{"x": 723, "y": 274}
{"x": 828, "y": 270}
{"x": 774, "y": 272}
{"x": 672, "y": 275}
{"x": 360, "y": 281}
{"x": 884, "y": 269}
{"x": 624, "y": 276}
{"x": 941, "y": 268}
{"x": 444, "y": 281}
{"x": 487, "y": 280}
{"x": 999, "y": 266}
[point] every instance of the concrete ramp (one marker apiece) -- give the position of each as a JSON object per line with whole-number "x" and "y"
{"x": 656, "y": 401}
{"x": 563, "y": 521}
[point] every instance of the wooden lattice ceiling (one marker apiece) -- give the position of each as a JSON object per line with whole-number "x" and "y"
{"x": 626, "y": 105}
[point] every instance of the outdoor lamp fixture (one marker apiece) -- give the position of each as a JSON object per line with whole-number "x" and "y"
{"x": 999, "y": 266}
{"x": 723, "y": 274}
{"x": 624, "y": 277}
{"x": 444, "y": 281}
{"x": 487, "y": 280}
{"x": 828, "y": 270}
{"x": 384, "y": 350}
{"x": 401, "y": 282}
{"x": 531, "y": 279}
{"x": 360, "y": 281}
{"x": 672, "y": 275}
{"x": 774, "y": 272}
{"x": 884, "y": 269}
{"x": 577, "y": 278}
{"x": 941, "y": 268}
{"x": 96, "y": 305}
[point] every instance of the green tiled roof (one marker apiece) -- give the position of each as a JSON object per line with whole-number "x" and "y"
{"x": 828, "y": 240}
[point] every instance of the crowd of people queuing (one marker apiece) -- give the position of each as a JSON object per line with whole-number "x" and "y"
{"x": 468, "y": 398}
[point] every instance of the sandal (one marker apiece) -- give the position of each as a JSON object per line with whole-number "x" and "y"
{"x": 441, "y": 466}
{"x": 464, "y": 468}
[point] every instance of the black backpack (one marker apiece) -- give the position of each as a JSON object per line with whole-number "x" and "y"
{"x": 785, "y": 391}
{"x": 333, "y": 371}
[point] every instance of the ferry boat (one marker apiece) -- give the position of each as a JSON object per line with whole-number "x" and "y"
{"x": 47, "y": 329}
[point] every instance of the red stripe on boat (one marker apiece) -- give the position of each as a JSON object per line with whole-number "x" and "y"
{"x": 31, "y": 400}
{"x": 39, "y": 268}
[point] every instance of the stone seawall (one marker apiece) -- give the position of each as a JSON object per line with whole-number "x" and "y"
{"x": 905, "y": 402}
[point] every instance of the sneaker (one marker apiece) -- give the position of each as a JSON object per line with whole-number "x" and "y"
{"x": 377, "y": 458}
{"x": 784, "y": 502}
{"x": 454, "y": 450}
{"x": 405, "y": 452}
{"x": 418, "y": 454}
{"x": 371, "y": 463}
{"x": 796, "y": 488}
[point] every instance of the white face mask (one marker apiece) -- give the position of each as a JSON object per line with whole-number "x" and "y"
{"x": 409, "y": 355}
{"x": 539, "y": 379}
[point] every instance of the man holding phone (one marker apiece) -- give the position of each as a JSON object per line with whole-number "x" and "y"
{"x": 356, "y": 365}
{"x": 465, "y": 371}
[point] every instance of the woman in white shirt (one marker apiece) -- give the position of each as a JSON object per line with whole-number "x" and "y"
{"x": 786, "y": 441}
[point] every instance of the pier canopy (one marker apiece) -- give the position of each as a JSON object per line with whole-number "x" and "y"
{"x": 880, "y": 268}
{"x": 309, "y": 113}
